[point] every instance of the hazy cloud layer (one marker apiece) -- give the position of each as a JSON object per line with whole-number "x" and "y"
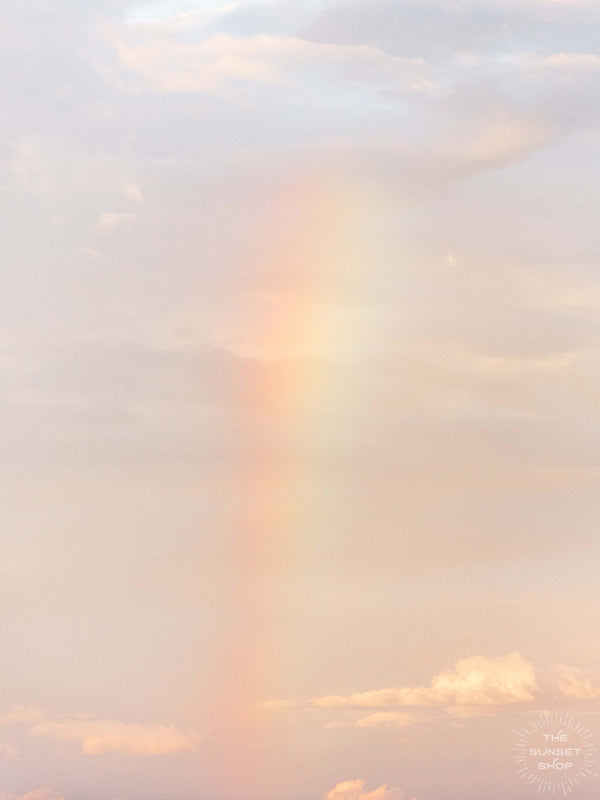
{"x": 299, "y": 374}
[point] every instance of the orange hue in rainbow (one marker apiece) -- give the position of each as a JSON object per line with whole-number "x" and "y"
{"x": 291, "y": 326}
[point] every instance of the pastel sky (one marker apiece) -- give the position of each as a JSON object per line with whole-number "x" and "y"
{"x": 299, "y": 394}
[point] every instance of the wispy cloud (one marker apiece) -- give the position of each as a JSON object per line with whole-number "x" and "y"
{"x": 387, "y": 719}
{"x": 35, "y": 794}
{"x": 577, "y": 63}
{"x": 109, "y": 220}
{"x": 169, "y": 65}
{"x": 133, "y": 192}
{"x": 8, "y": 750}
{"x": 23, "y": 715}
{"x": 96, "y": 736}
{"x": 574, "y": 683}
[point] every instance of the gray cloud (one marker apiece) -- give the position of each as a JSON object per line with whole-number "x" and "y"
{"x": 437, "y": 29}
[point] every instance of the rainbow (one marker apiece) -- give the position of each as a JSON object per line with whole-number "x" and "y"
{"x": 296, "y": 315}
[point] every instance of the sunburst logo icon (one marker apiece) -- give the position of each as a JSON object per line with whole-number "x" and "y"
{"x": 555, "y": 754}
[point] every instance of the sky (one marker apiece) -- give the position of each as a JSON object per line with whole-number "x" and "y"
{"x": 299, "y": 399}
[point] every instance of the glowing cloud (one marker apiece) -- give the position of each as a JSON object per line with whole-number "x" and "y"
{"x": 36, "y": 794}
{"x": 386, "y": 719}
{"x": 97, "y": 736}
{"x": 474, "y": 681}
{"x": 353, "y": 790}
{"x": 112, "y": 736}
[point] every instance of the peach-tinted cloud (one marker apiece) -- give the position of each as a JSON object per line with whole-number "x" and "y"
{"x": 386, "y": 719}
{"x": 353, "y": 790}
{"x": 574, "y": 683}
{"x": 507, "y": 137}
{"x": 477, "y": 686}
{"x": 269, "y": 705}
{"x": 97, "y": 736}
{"x": 36, "y": 794}
{"x": 23, "y": 715}
{"x": 381, "y": 719}
{"x": 111, "y": 736}
{"x": 476, "y": 681}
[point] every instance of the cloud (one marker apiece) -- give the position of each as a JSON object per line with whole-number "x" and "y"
{"x": 567, "y": 62}
{"x": 564, "y": 2}
{"x": 505, "y": 138}
{"x": 386, "y": 719}
{"x": 36, "y": 794}
{"x": 436, "y": 28}
{"x": 182, "y": 22}
{"x": 133, "y": 192}
{"x": 111, "y": 736}
{"x": 97, "y": 736}
{"x": 8, "y": 750}
{"x": 23, "y": 715}
{"x": 270, "y": 705}
{"x": 167, "y": 65}
{"x": 109, "y": 220}
{"x": 30, "y": 163}
{"x": 353, "y": 790}
{"x": 380, "y": 719}
{"x": 476, "y": 681}
{"x": 574, "y": 683}
{"x": 88, "y": 252}
{"x": 477, "y": 686}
